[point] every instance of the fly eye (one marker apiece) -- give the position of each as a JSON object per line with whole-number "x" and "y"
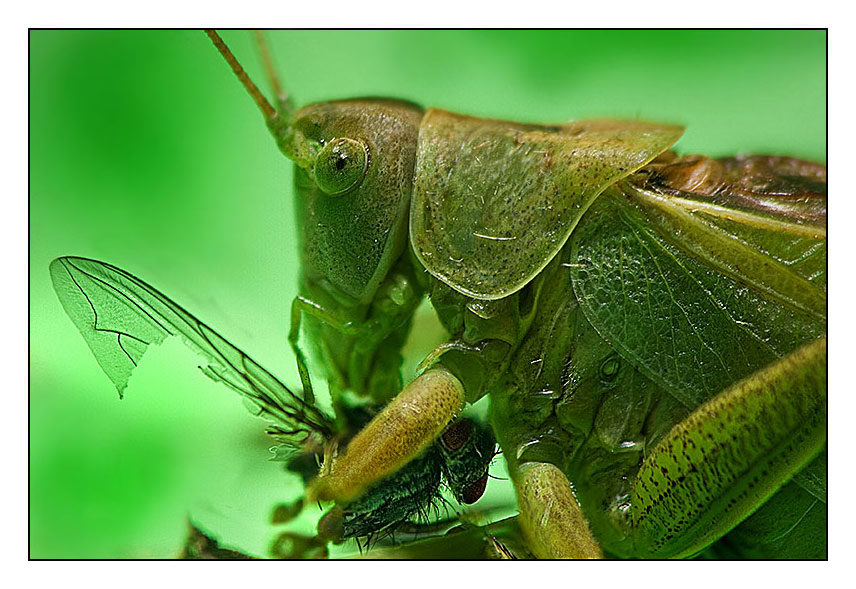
{"x": 609, "y": 369}
{"x": 474, "y": 492}
{"x": 341, "y": 165}
{"x": 457, "y": 434}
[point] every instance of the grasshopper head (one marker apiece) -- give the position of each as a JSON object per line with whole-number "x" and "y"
{"x": 354, "y": 167}
{"x": 354, "y": 162}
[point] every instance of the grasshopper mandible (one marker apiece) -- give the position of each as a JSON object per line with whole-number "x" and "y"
{"x": 576, "y": 327}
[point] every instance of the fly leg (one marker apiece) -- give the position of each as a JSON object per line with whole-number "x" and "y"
{"x": 730, "y": 455}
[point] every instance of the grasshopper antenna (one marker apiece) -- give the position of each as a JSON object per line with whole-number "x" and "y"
{"x": 270, "y": 114}
{"x": 283, "y": 100}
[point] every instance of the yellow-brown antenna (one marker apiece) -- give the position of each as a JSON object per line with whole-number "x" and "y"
{"x": 283, "y": 101}
{"x": 268, "y": 111}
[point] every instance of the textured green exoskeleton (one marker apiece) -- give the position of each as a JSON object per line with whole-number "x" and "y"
{"x": 651, "y": 331}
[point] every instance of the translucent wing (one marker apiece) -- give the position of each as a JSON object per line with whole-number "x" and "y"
{"x": 119, "y": 315}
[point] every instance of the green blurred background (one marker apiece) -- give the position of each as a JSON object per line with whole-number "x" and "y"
{"x": 145, "y": 152}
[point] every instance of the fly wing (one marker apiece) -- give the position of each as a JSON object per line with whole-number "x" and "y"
{"x": 119, "y": 315}
{"x": 495, "y": 201}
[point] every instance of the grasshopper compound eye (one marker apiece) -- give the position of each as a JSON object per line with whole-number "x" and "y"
{"x": 341, "y": 165}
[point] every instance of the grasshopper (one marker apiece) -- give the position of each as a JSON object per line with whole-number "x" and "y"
{"x": 578, "y": 269}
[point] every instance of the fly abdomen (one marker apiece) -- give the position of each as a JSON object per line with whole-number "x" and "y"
{"x": 394, "y": 500}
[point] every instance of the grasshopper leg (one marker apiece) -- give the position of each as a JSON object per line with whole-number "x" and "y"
{"x": 708, "y": 474}
{"x": 396, "y": 435}
{"x": 730, "y": 455}
{"x": 302, "y": 305}
{"x": 550, "y": 516}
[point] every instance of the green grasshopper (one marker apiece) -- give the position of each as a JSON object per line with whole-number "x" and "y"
{"x": 650, "y": 329}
